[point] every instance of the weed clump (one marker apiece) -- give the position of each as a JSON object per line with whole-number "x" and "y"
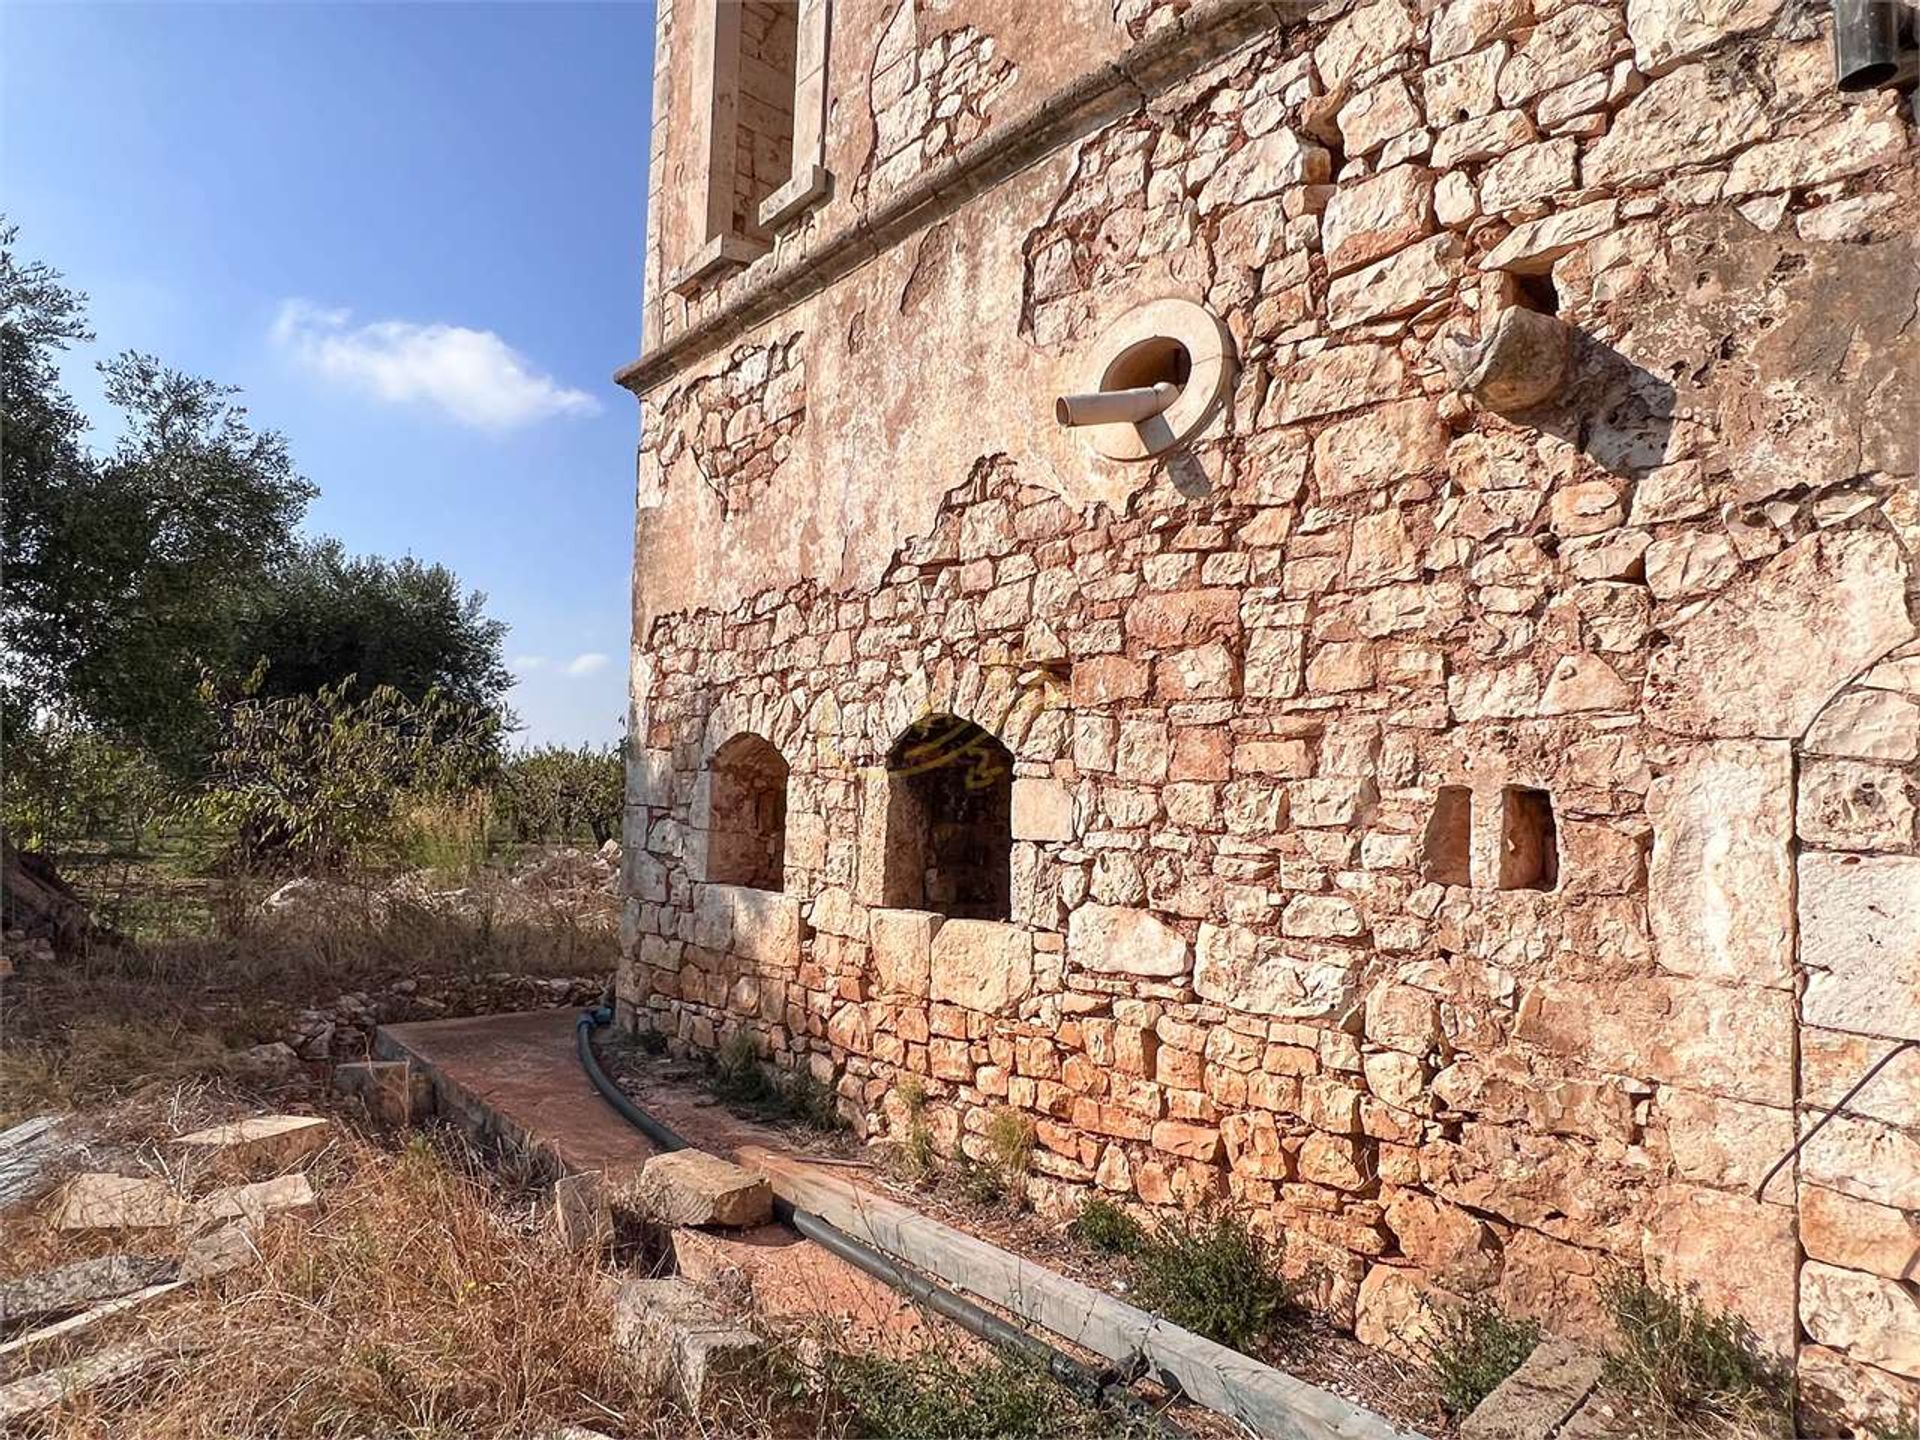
{"x": 737, "y": 1078}
{"x": 1103, "y": 1225}
{"x": 940, "y": 1396}
{"x": 1210, "y": 1274}
{"x": 1473, "y": 1349}
{"x": 913, "y": 1160}
{"x": 1690, "y": 1362}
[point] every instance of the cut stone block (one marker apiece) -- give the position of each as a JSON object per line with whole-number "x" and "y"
{"x": 582, "y": 1212}
{"x": 678, "y": 1339}
{"x": 259, "y": 1144}
{"x": 1117, "y": 939}
{"x": 97, "y": 1201}
{"x": 218, "y": 1251}
{"x": 691, "y": 1187}
{"x": 1533, "y": 1402}
{"x": 85, "y": 1282}
{"x": 256, "y": 1201}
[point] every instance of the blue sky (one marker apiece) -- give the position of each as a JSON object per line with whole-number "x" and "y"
{"x": 412, "y": 235}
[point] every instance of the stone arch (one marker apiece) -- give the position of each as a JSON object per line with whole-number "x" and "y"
{"x": 745, "y": 820}
{"x": 949, "y": 820}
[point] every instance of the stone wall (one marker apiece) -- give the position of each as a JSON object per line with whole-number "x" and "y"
{"x": 1477, "y": 843}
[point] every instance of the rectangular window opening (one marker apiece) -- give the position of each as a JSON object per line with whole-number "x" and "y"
{"x": 1529, "y": 842}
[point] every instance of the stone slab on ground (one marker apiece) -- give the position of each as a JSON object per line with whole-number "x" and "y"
{"x": 260, "y": 1144}
{"x": 677, "y": 1338}
{"x": 256, "y": 1201}
{"x": 83, "y": 1283}
{"x": 101, "y": 1201}
{"x": 218, "y": 1251}
{"x": 582, "y": 1211}
{"x": 691, "y": 1187}
{"x": 1534, "y": 1401}
{"x": 36, "y": 1393}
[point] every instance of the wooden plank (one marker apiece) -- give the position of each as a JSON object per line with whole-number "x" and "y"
{"x": 84, "y": 1282}
{"x": 1270, "y": 1401}
{"x": 29, "y": 1156}
{"x": 87, "y": 1319}
{"x": 42, "y": 1392}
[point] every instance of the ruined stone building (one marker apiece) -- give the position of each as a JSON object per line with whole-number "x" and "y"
{"x": 1440, "y": 777}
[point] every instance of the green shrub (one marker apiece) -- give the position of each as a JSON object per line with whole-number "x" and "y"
{"x": 937, "y": 1395}
{"x": 1103, "y": 1225}
{"x": 1688, "y": 1360}
{"x": 1211, "y": 1274}
{"x": 739, "y": 1080}
{"x": 1474, "y": 1348}
{"x": 553, "y": 793}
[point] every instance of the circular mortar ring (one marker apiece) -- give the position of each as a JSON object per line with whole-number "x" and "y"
{"x": 1156, "y": 326}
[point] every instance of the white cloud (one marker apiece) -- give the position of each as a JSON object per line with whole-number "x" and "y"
{"x": 472, "y": 375}
{"x": 588, "y": 664}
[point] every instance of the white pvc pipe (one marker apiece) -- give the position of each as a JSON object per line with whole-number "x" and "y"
{"x": 1115, "y": 407}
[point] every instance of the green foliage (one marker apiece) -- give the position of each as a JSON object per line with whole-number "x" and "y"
{"x": 66, "y": 786}
{"x": 1211, "y": 1274}
{"x": 553, "y": 793}
{"x": 1473, "y": 1348}
{"x": 1010, "y": 1141}
{"x": 127, "y": 571}
{"x": 738, "y": 1079}
{"x": 310, "y": 783}
{"x": 325, "y": 614}
{"x": 1103, "y": 1225}
{"x": 938, "y": 1395}
{"x": 1689, "y": 1361}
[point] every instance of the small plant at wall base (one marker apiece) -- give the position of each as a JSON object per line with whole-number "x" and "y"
{"x": 740, "y": 1080}
{"x": 1473, "y": 1348}
{"x": 913, "y": 1160}
{"x": 1103, "y": 1225}
{"x": 1210, "y": 1274}
{"x": 1689, "y": 1361}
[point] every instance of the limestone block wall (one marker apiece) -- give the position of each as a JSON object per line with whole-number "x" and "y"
{"x": 1479, "y": 845}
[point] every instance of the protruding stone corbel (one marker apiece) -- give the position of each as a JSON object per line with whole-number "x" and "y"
{"x": 1521, "y": 361}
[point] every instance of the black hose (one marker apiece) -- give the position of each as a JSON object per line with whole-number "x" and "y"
{"x": 1101, "y": 1387}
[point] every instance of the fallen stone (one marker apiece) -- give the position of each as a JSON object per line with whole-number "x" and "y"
{"x": 256, "y": 1201}
{"x": 582, "y": 1211}
{"x": 274, "y": 1060}
{"x": 218, "y": 1251}
{"x": 98, "y": 1201}
{"x": 678, "y": 1339}
{"x": 1532, "y": 1402}
{"x": 85, "y": 1282}
{"x": 258, "y": 1144}
{"x": 691, "y": 1187}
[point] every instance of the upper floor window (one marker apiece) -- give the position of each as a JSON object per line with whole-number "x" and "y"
{"x": 760, "y": 88}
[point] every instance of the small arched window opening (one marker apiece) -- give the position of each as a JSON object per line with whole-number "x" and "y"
{"x": 950, "y": 821}
{"x": 747, "y": 810}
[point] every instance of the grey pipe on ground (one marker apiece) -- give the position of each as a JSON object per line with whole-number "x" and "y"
{"x": 1105, "y": 1388}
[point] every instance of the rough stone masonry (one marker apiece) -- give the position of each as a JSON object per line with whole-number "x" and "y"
{"x": 1477, "y": 840}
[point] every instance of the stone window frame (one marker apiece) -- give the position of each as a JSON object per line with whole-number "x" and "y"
{"x": 1510, "y": 830}
{"x": 901, "y": 805}
{"x": 699, "y": 849}
{"x": 716, "y": 100}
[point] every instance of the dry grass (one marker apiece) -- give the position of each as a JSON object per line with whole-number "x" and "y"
{"x": 415, "y": 1305}
{"x": 120, "y": 1018}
